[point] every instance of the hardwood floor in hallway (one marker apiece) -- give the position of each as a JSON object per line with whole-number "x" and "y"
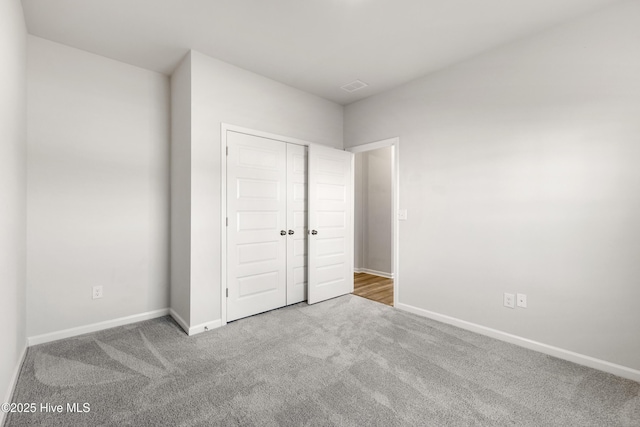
{"x": 375, "y": 288}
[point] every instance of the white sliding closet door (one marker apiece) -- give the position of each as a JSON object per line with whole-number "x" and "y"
{"x": 256, "y": 232}
{"x": 330, "y": 259}
{"x": 296, "y": 223}
{"x": 276, "y": 193}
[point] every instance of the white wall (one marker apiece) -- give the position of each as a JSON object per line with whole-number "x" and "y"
{"x": 13, "y": 127}
{"x": 223, "y": 93}
{"x": 359, "y": 218}
{"x": 373, "y": 211}
{"x": 519, "y": 170}
{"x": 98, "y": 188}
{"x": 181, "y": 190}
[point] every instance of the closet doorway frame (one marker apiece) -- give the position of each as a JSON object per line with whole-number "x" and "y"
{"x": 224, "y": 128}
{"x": 394, "y": 143}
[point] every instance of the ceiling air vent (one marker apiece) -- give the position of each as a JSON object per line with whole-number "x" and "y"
{"x": 354, "y": 86}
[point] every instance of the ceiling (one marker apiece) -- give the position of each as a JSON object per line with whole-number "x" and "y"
{"x": 314, "y": 45}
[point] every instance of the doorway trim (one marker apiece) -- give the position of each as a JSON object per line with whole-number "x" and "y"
{"x": 224, "y": 127}
{"x": 395, "y": 201}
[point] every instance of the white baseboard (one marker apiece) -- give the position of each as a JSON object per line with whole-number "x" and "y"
{"x": 94, "y": 327}
{"x": 203, "y": 327}
{"x": 192, "y": 330}
{"x": 374, "y": 272}
{"x": 179, "y": 320}
{"x": 13, "y": 382}
{"x": 581, "y": 359}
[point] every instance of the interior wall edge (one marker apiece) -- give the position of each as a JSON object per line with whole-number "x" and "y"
{"x": 196, "y": 329}
{"x": 14, "y": 381}
{"x": 13, "y": 188}
{"x": 180, "y": 191}
{"x": 204, "y": 327}
{"x": 179, "y": 320}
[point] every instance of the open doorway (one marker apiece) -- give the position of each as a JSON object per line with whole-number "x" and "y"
{"x": 375, "y": 266}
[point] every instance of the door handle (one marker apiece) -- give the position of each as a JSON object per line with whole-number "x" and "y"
{"x": 314, "y": 232}
{"x": 283, "y": 233}
{"x": 291, "y": 232}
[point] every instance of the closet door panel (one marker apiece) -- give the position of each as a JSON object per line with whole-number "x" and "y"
{"x": 296, "y": 223}
{"x": 256, "y": 210}
{"x": 330, "y": 259}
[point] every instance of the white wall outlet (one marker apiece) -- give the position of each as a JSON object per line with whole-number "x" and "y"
{"x": 97, "y": 292}
{"x": 509, "y": 300}
{"x": 402, "y": 215}
{"x": 521, "y": 300}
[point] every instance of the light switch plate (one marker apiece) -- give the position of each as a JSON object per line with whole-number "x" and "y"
{"x": 402, "y": 215}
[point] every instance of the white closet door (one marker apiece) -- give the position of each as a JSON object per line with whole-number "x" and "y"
{"x": 296, "y": 223}
{"x": 330, "y": 260}
{"x": 256, "y": 209}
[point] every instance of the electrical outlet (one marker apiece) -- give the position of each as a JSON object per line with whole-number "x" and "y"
{"x": 97, "y": 292}
{"x": 521, "y": 300}
{"x": 509, "y": 300}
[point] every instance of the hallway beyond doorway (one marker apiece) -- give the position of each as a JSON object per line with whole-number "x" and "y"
{"x": 375, "y": 288}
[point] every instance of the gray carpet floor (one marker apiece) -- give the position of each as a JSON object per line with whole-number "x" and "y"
{"x": 345, "y": 362}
